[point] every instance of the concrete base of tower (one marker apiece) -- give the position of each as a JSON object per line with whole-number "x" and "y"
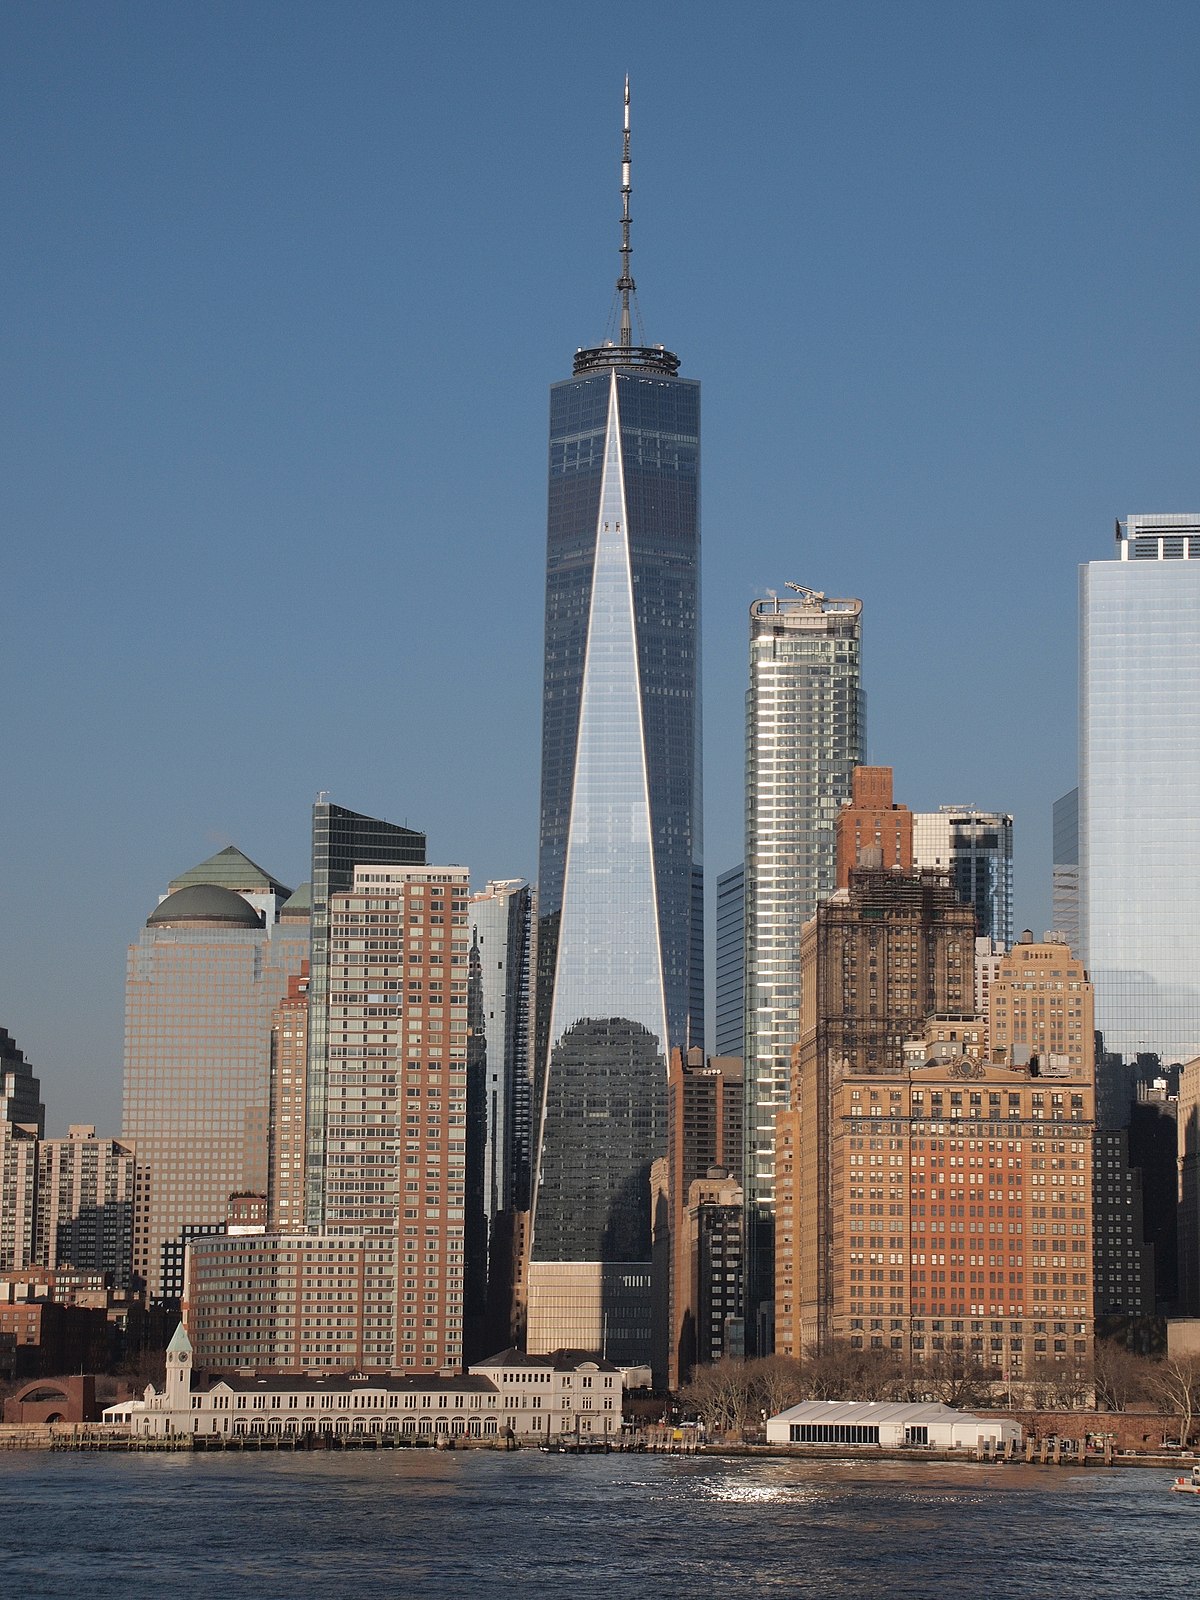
{"x": 603, "y": 1307}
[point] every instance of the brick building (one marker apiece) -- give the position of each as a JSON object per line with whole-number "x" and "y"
{"x": 872, "y": 830}
{"x": 287, "y": 1120}
{"x": 705, "y": 1133}
{"x": 938, "y": 1204}
{"x": 879, "y": 957}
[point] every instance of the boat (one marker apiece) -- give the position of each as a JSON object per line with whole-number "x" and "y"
{"x": 1188, "y": 1485}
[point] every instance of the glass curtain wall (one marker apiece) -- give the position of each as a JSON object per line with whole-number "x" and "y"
{"x": 805, "y": 734}
{"x": 620, "y": 941}
{"x": 1139, "y": 769}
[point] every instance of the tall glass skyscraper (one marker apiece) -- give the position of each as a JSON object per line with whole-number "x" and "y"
{"x": 805, "y": 734}
{"x": 208, "y": 970}
{"x": 1139, "y": 771}
{"x": 620, "y": 954}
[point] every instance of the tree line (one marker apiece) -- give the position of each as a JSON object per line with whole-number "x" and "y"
{"x": 735, "y": 1397}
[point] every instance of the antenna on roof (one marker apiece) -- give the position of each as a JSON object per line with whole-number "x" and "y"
{"x": 625, "y": 283}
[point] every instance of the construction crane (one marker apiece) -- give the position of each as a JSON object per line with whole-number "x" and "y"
{"x": 812, "y": 596}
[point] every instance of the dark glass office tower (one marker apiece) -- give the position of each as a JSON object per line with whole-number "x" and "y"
{"x": 620, "y": 938}
{"x": 341, "y": 841}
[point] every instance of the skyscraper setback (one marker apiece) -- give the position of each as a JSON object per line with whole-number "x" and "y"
{"x": 620, "y": 877}
{"x": 878, "y": 957}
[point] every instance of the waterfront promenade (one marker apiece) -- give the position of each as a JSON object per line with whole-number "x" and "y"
{"x": 654, "y": 1440}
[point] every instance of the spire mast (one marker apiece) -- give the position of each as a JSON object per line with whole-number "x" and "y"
{"x": 625, "y": 283}
{"x": 622, "y": 352}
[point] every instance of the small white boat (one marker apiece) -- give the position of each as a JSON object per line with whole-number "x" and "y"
{"x": 1187, "y": 1485}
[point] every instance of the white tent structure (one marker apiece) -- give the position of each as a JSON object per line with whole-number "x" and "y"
{"x": 884, "y": 1424}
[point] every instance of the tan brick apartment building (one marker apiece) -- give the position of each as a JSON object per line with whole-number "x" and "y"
{"x": 931, "y": 1201}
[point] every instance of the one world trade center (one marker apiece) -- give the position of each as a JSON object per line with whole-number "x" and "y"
{"x": 620, "y": 956}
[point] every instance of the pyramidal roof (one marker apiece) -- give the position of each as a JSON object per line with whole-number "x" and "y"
{"x": 230, "y": 869}
{"x": 180, "y": 1344}
{"x": 300, "y": 904}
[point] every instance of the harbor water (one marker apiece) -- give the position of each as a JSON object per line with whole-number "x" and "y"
{"x": 486, "y": 1524}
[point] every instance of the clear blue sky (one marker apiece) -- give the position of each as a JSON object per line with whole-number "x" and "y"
{"x": 285, "y": 287}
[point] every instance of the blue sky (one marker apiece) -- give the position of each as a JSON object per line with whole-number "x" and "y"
{"x": 285, "y": 288}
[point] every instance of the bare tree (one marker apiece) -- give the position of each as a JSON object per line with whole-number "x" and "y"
{"x": 954, "y": 1378}
{"x": 1174, "y": 1382}
{"x": 777, "y": 1382}
{"x": 842, "y": 1372}
{"x": 733, "y": 1395}
{"x": 1051, "y": 1385}
{"x": 1119, "y": 1375}
{"x": 145, "y": 1367}
{"x": 721, "y": 1395}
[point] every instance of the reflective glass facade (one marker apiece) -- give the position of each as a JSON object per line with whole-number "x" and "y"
{"x": 498, "y": 1048}
{"x": 805, "y": 734}
{"x": 22, "y": 1122}
{"x": 1065, "y": 885}
{"x": 731, "y": 962}
{"x": 1139, "y": 772}
{"x": 976, "y": 849}
{"x": 642, "y": 616}
{"x": 199, "y": 997}
{"x": 620, "y": 955}
{"x": 20, "y": 1091}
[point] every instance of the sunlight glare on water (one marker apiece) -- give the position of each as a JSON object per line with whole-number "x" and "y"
{"x": 389, "y": 1525}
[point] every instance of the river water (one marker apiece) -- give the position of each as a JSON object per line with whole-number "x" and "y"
{"x": 484, "y": 1524}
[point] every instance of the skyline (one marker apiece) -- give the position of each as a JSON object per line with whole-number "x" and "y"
{"x": 251, "y": 310}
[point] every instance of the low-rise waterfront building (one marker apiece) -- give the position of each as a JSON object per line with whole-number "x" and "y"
{"x": 69, "y": 1399}
{"x": 888, "y": 1425}
{"x": 510, "y": 1395}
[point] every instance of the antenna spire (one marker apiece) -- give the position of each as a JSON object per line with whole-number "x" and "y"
{"x": 622, "y": 352}
{"x": 625, "y": 283}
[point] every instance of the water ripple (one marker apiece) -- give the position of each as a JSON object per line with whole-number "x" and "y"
{"x": 482, "y": 1525}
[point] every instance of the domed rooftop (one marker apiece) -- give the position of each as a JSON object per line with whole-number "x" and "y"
{"x": 205, "y": 902}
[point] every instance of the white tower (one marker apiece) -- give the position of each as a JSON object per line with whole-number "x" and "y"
{"x": 179, "y": 1372}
